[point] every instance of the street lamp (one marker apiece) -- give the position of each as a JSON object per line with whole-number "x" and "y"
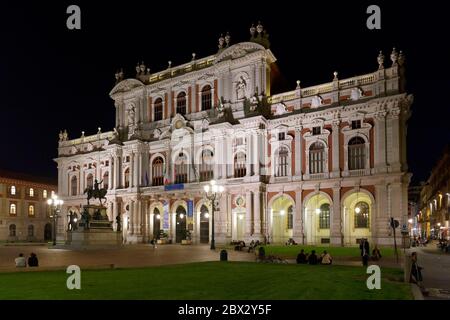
{"x": 213, "y": 192}
{"x": 54, "y": 204}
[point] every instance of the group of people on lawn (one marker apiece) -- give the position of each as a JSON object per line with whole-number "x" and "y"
{"x": 21, "y": 261}
{"x": 312, "y": 258}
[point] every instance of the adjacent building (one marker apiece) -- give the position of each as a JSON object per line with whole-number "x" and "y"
{"x": 435, "y": 200}
{"x": 324, "y": 164}
{"x": 24, "y": 213}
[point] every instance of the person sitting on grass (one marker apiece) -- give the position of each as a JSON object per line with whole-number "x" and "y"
{"x": 20, "y": 261}
{"x": 376, "y": 254}
{"x": 33, "y": 260}
{"x": 312, "y": 259}
{"x": 301, "y": 257}
{"x": 326, "y": 258}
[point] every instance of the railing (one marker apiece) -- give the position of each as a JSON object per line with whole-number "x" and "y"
{"x": 91, "y": 138}
{"x": 358, "y": 172}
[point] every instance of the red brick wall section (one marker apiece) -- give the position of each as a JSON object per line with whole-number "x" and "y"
{"x": 216, "y": 99}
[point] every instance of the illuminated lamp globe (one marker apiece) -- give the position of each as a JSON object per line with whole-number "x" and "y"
{"x": 181, "y": 216}
{"x": 215, "y": 188}
{"x": 158, "y": 216}
{"x": 282, "y": 212}
{"x": 206, "y": 188}
{"x": 317, "y": 210}
{"x": 357, "y": 209}
{"x": 207, "y": 215}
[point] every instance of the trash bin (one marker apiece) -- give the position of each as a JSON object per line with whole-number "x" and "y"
{"x": 223, "y": 255}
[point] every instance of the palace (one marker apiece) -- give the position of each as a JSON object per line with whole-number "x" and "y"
{"x": 322, "y": 165}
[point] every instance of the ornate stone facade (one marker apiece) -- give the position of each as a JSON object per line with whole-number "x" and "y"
{"x": 323, "y": 164}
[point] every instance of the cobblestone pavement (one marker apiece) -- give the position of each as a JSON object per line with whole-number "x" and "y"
{"x": 126, "y": 256}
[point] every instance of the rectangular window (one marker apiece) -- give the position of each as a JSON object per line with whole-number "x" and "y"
{"x": 316, "y": 131}
{"x": 356, "y": 124}
{"x": 281, "y": 136}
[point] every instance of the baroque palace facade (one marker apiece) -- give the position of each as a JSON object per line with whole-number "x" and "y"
{"x": 322, "y": 164}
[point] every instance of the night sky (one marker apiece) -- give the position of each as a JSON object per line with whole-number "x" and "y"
{"x": 52, "y": 78}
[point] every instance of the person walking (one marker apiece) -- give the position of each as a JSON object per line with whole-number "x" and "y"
{"x": 365, "y": 249}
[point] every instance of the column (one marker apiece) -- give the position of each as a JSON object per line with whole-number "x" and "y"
{"x": 298, "y": 233}
{"x": 335, "y": 170}
{"x": 248, "y": 151}
{"x": 256, "y": 153}
{"x": 131, "y": 217}
{"x": 298, "y": 153}
{"x": 336, "y": 219}
{"x": 132, "y": 173}
{"x": 110, "y": 173}
{"x": 229, "y": 216}
{"x": 248, "y": 214}
{"x": 257, "y": 214}
{"x": 116, "y": 213}
{"x": 136, "y": 173}
{"x": 111, "y": 211}
{"x": 380, "y": 142}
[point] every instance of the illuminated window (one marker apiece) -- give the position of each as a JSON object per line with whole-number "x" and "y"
{"x": 31, "y": 192}
{"x": 206, "y": 98}
{"x": 181, "y": 169}
{"x": 181, "y": 103}
{"x": 13, "y": 209}
{"x": 206, "y": 166}
{"x": 361, "y": 215}
{"x": 44, "y": 194}
{"x": 290, "y": 218}
{"x": 31, "y": 210}
{"x": 324, "y": 216}
{"x": 356, "y": 153}
{"x": 282, "y": 162}
{"x": 52, "y": 193}
{"x": 158, "y": 172}
{"x": 158, "y": 110}
{"x": 240, "y": 163}
{"x": 316, "y": 158}
{"x": 13, "y": 190}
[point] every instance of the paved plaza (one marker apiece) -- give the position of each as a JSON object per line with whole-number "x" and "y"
{"x": 126, "y": 256}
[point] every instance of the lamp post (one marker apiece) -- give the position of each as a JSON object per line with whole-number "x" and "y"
{"x": 54, "y": 204}
{"x": 213, "y": 192}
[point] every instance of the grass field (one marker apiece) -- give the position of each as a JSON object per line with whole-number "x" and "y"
{"x": 208, "y": 280}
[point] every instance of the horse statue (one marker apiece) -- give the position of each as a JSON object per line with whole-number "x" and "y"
{"x": 95, "y": 192}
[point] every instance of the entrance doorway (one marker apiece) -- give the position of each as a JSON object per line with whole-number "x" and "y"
{"x": 156, "y": 223}
{"x": 204, "y": 224}
{"x": 180, "y": 232}
{"x": 48, "y": 232}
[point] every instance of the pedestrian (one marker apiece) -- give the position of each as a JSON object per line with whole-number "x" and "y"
{"x": 326, "y": 258}
{"x": 33, "y": 260}
{"x": 312, "y": 258}
{"x": 20, "y": 261}
{"x": 154, "y": 242}
{"x": 365, "y": 249}
{"x": 416, "y": 272}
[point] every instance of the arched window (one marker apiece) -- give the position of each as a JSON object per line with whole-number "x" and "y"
{"x": 181, "y": 103}
{"x": 206, "y": 166}
{"x": 158, "y": 172}
{"x": 73, "y": 186}
{"x": 361, "y": 215}
{"x": 324, "y": 216}
{"x": 181, "y": 168}
{"x": 44, "y": 194}
{"x": 31, "y": 210}
{"x": 240, "y": 165}
{"x": 13, "y": 190}
{"x": 106, "y": 180}
{"x": 13, "y": 209}
{"x": 90, "y": 180}
{"x": 158, "y": 110}
{"x": 290, "y": 217}
{"x": 316, "y": 158}
{"x": 206, "y": 98}
{"x": 31, "y": 230}
{"x": 12, "y": 230}
{"x": 356, "y": 153}
{"x": 281, "y": 162}
{"x": 31, "y": 192}
{"x": 127, "y": 178}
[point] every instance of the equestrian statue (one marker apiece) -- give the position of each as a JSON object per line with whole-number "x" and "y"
{"x": 95, "y": 192}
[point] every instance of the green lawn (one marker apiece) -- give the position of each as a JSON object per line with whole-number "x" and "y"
{"x": 290, "y": 252}
{"x": 208, "y": 280}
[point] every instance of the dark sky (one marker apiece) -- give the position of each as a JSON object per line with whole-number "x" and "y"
{"x": 53, "y": 78}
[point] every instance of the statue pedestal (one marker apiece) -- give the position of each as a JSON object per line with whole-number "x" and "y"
{"x": 94, "y": 229}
